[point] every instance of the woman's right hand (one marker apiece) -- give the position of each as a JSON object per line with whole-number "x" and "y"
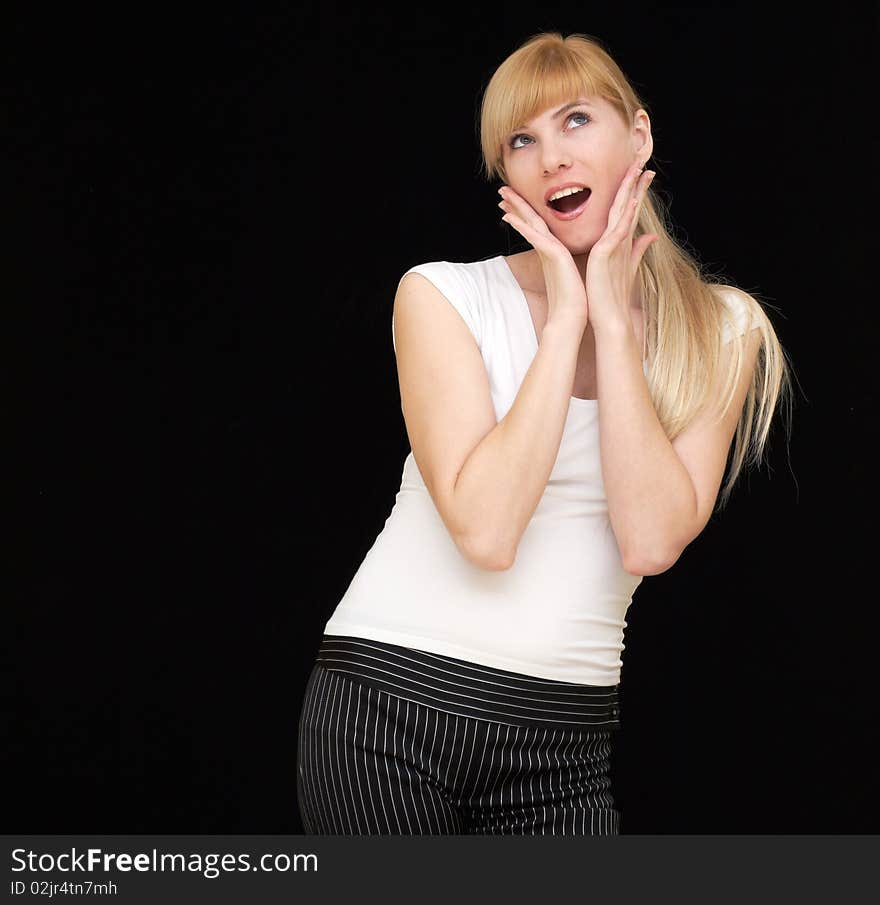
{"x": 566, "y": 290}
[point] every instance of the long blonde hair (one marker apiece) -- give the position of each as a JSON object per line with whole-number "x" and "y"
{"x": 684, "y": 313}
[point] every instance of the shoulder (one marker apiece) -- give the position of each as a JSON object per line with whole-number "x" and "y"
{"x": 466, "y": 284}
{"x": 454, "y": 271}
{"x": 460, "y": 285}
{"x": 742, "y": 311}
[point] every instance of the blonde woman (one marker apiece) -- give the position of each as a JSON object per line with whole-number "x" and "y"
{"x": 571, "y": 410}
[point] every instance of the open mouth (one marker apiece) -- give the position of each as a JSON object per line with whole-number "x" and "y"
{"x": 570, "y": 206}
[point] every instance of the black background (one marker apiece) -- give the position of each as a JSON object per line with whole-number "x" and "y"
{"x": 209, "y": 217}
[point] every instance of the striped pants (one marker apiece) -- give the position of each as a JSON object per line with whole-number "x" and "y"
{"x": 396, "y": 741}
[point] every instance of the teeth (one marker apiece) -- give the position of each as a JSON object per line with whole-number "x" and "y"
{"x": 563, "y": 192}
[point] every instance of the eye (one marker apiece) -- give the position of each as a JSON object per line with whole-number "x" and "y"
{"x": 580, "y": 113}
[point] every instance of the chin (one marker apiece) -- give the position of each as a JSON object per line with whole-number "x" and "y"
{"x": 578, "y": 245}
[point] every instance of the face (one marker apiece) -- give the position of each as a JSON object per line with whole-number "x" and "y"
{"x": 586, "y": 142}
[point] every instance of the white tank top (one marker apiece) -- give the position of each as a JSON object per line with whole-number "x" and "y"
{"x": 558, "y": 611}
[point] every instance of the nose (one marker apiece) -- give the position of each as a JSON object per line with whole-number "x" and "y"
{"x": 553, "y": 157}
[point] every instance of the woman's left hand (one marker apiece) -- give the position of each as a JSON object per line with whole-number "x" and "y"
{"x": 614, "y": 260}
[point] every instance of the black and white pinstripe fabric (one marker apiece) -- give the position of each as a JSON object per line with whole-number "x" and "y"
{"x": 396, "y": 741}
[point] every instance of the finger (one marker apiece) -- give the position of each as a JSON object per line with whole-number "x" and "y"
{"x": 624, "y": 195}
{"x": 536, "y": 238}
{"x": 640, "y": 246}
{"x": 627, "y": 223}
{"x": 643, "y": 185}
{"x": 629, "y": 217}
{"x": 518, "y": 224}
{"x": 522, "y": 228}
{"x": 523, "y": 209}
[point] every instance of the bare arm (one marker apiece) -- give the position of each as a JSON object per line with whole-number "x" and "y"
{"x": 485, "y": 477}
{"x": 661, "y": 493}
{"x": 503, "y": 479}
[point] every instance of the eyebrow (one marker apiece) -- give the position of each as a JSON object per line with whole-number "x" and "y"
{"x": 578, "y": 103}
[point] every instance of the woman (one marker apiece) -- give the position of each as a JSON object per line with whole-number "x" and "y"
{"x": 570, "y": 411}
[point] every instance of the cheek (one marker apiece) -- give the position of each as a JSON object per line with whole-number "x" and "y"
{"x": 603, "y": 202}
{"x": 603, "y": 198}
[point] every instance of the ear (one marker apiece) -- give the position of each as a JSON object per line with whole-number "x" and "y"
{"x": 642, "y": 140}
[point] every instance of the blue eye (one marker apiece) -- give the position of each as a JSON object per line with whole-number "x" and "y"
{"x": 580, "y": 113}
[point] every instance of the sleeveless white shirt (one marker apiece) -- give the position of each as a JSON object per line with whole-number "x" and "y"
{"x": 558, "y": 611}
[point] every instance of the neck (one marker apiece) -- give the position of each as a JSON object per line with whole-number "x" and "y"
{"x": 581, "y": 264}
